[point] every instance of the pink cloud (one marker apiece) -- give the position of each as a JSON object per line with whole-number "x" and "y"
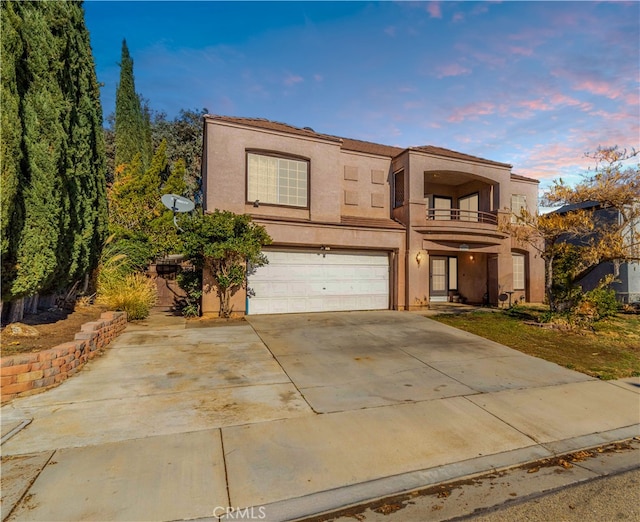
{"x": 491, "y": 60}
{"x": 562, "y": 99}
{"x": 565, "y": 156}
{"x": 631, "y": 99}
{"x": 535, "y": 105}
{"x": 481, "y": 8}
{"x": 524, "y": 109}
{"x": 453, "y": 69}
{"x": 472, "y": 111}
{"x": 594, "y": 84}
{"x": 521, "y": 51}
{"x": 292, "y": 79}
{"x": 553, "y": 160}
{"x": 457, "y": 17}
{"x": 434, "y": 9}
{"x": 598, "y": 87}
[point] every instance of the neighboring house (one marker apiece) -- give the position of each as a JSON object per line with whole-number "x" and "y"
{"x": 361, "y": 226}
{"x": 627, "y": 284}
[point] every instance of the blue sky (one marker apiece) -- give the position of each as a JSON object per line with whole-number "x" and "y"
{"x": 533, "y": 84}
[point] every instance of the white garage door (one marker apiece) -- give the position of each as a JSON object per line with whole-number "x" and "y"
{"x": 320, "y": 282}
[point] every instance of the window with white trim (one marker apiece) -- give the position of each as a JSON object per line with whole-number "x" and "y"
{"x": 518, "y": 271}
{"x": 518, "y": 202}
{"x": 277, "y": 180}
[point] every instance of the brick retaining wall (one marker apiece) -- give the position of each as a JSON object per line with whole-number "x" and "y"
{"x": 28, "y": 373}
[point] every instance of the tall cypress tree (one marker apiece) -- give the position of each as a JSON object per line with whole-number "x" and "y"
{"x": 132, "y": 123}
{"x": 43, "y": 141}
{"x": 84, "y": 162}
{"x": 53, "y": 149}
{"x": 12, "y": 180}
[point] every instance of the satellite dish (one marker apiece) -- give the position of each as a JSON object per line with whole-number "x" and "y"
{"x": 177, "y": 203}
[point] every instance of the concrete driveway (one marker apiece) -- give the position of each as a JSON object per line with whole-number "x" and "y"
{"x": 348, "y": 361}
{"x": 292, "y": 415}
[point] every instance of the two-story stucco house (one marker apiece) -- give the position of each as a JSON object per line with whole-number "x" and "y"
{"x": 363, "y": 226}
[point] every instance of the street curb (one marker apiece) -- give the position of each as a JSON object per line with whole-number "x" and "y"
{"x": 330, "y": 504}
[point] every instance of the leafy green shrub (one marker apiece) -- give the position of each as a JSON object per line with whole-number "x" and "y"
{"x": 134, "y": 293}
{"x": 598, "y": 304}
{"x": 191, "y": 282}
{"x": 227, "y": 245}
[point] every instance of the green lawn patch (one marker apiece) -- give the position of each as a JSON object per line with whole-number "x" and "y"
{"x": 611, "y": 351}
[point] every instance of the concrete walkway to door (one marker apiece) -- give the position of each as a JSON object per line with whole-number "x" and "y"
{"x": 292, "y": 415}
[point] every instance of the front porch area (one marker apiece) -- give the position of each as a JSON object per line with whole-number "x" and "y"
{"x": 480, "y": 274}
{"x": 458, "y": 278}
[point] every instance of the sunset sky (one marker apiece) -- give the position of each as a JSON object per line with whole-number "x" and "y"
{"x": 533, "y": 84}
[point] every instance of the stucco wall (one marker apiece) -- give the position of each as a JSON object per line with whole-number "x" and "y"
{"x": 226, "y": 171}
{"x": 366, "y": 185}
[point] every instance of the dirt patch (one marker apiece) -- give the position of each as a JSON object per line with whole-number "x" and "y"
{"x": 208, "y": 321}
{"x": 54, "y": 327}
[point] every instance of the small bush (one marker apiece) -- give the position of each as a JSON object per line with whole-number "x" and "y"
{"x": 598, "y": 304}
{"x": 191, "y": 282}
{"x": 135, "y": 294}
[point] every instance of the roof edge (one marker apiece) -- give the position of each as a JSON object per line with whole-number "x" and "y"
{"x": 519, "y": 177}
{"x": 356, "y": 145}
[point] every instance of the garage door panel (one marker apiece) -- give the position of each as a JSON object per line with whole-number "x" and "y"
{"x": 316, "y": 282}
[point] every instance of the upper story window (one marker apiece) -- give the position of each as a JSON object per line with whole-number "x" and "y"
{"x": 277, "y": 180}
{"x": 518, "y": 202}
{"x": 398, "y": 189}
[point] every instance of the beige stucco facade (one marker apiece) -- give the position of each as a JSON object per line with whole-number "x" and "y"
{"x": 355, "y": 204}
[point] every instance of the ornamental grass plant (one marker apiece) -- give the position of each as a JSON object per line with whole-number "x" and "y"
{"x": 120, "y": 284}
{"x": 135, "y": 294}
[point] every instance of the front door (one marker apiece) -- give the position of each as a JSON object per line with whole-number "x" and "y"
{"x": 438, "y": 278}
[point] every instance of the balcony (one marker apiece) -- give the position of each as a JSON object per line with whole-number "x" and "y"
{"x": 463, "y": 226}
{"x": 456, "y": 214}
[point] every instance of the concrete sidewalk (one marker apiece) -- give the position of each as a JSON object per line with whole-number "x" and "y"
{"x": 293, "y": 416}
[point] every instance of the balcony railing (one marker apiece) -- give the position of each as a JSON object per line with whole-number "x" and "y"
{"x": 455, "y": 214}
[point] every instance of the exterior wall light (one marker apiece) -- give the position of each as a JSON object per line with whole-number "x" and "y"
{"x": 419, "y": 257}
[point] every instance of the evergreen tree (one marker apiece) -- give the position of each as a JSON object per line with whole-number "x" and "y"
{"x": 184, "y": 142}
{"x": 43, "y": 143}
{"x": 84, "y": 161}
{"x": 12, "y": 179}
{"x": 175, "y": 183}
{"x": 136, "y": 211}
{"x": 132, "y": 123}
{"x": 53, "y": 197}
